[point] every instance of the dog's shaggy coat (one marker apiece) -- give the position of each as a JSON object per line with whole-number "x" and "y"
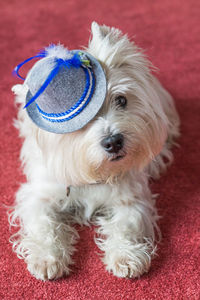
{"x": 72, "y": 179}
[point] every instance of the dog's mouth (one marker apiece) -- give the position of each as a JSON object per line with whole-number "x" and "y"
{"x": 117, "y": 157}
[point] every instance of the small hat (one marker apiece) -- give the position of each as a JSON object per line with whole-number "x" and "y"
{"x": 66, "y": 89}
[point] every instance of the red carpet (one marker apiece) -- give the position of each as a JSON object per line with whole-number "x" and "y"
{"x": 170, "y": 33}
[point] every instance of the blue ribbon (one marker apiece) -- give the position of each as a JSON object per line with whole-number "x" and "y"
{"x": 74, "y": 61}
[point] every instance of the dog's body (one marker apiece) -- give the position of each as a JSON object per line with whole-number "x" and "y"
{"x": 72, "y": 178}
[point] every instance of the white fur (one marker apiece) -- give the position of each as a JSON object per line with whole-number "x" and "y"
{"x": 114, "y": 195}
{"x": 59, "y": 51}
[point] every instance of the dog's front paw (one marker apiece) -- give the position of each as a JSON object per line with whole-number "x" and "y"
{"x": 46, "y": 269}
{"x": 129, "y": 262}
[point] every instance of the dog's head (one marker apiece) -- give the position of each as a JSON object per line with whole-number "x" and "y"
{"x": 128, "y": 131}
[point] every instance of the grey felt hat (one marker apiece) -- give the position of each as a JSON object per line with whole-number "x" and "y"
{"x": 66, "y": 89}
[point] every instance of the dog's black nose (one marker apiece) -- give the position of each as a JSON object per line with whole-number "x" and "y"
{"x": 113, "y": 143}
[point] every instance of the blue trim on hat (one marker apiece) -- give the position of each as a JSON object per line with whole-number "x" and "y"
{"x": 78, "y": 111}
{"x": 78, "y": 103}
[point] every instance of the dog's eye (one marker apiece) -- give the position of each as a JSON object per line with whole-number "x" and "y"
{"x": 121, "y": 101}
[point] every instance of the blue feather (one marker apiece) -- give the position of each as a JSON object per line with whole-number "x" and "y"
{"x": 75, "y": 61}
{"x": 45, "y": 84}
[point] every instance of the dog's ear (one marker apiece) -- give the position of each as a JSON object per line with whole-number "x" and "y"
{"x": 101, "y": 32}
{"x": 105, "y": 42}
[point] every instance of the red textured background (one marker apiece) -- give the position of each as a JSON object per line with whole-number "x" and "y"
{"x": 170, "y": 33}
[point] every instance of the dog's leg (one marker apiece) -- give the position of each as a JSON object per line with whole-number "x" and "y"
{"x": 45, "y": 239}
{"x": 126, "y": 235}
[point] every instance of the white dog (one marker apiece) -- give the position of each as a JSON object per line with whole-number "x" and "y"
{"x": 85, "y": 176}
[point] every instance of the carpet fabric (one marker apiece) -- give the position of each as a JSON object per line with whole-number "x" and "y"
{"x": 170, "y": 33}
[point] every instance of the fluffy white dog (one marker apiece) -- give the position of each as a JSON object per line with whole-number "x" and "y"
{"x": 100, "y": 173}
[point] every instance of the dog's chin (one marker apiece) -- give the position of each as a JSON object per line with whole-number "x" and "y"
{"x": 113, "y": 167}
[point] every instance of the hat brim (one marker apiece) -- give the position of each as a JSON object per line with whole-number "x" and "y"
{"x": 85, "y": 116}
